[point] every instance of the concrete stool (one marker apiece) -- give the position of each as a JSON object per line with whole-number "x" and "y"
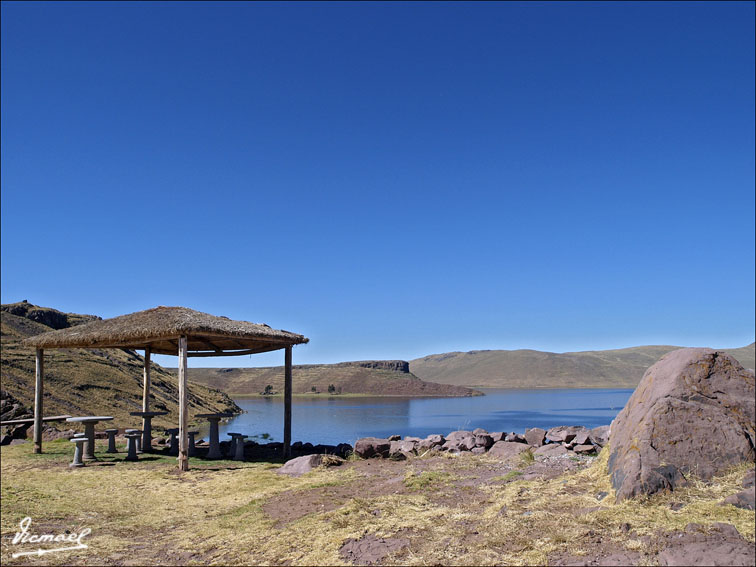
{"x": 192, "y": 449}
{"x": 132, "y": 437}
{"x": 232, "y": 444}
{"x": 139, "y": 441}
{"x": 174, "y": 448}
{"x": 239, "y": 454}
{"x": 79, "y": 452}
{"x": 111, "y": 440}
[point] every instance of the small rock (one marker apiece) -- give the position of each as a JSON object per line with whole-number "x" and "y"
{"x": 535, "y": 436}
{"x": 497, "y": 436}
{"x": 748, "y": 479}
{"x": 483, "y": 440}
{"x": 369, "y": 447}
{"x": 394, "y": 437}
{"x": 745, "y": 499}
{"x": 584, "y": 448}
{"x": 478, "y": 450}
{"x": 516, "y": 438}
{"x": 599, "y": 435}
{"x": 479, "y": 431}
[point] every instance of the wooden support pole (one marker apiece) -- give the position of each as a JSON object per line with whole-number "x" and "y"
{"x": 146, "y": 393}
{"x": 38, "y": 392}
{"x": 287, "y": 403}
{"x": 183, "y": 456}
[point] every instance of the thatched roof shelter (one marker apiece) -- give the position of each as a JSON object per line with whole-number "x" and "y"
{"x": 159, "y": 329}
{"x": 169, "y": 330}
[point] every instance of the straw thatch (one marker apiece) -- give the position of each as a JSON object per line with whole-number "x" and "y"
{"x": 160, "y": 328}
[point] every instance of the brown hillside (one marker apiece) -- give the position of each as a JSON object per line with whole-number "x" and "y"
{"x": 622, "y": 368}
{"x": 375, "y": 378}
{"x": 92, "y": 381}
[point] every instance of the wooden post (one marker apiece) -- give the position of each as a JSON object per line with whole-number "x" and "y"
{"x": 38, "y": 392}
{"x": 287, "y": 403}
{"x": 183, "y": 456}
{"x": 146, "y": 392}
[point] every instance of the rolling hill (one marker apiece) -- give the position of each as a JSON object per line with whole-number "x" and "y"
{"x": 91, "y": 381}
{"x": 374, "y": 378}
{"x": 622, "y": 368}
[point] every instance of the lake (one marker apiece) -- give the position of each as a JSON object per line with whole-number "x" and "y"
{"x": 333, "y": 420}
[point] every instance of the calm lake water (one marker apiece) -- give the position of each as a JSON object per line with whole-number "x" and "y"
{"x": 344, "y": 420}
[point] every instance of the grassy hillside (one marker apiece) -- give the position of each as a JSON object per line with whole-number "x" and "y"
{"x": 92, "y": 381}
{"x": 375, "y": 378}
{"x": 621, "y": 368}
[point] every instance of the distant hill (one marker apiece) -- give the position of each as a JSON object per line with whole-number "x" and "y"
{"x": 375, "y": 378}
{"x": 91, "y": 381}
{"x": 621, "y": 368}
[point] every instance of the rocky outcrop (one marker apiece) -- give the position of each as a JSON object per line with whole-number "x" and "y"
{"x": 692, "y": 413}
{"x": 392, "y": 365}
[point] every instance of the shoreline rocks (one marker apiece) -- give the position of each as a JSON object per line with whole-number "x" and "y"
{"x": 557, "y": 441}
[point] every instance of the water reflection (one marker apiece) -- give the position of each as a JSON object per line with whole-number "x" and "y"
{"x": 335, "y": 420}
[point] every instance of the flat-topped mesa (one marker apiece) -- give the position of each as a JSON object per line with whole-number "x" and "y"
{"x": 393, "y": 365}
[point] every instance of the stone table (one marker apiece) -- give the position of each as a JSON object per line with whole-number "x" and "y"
{"x": 147, "y": 427}
{"x": 214, "y": 418}
{"x": 89, "y": 422}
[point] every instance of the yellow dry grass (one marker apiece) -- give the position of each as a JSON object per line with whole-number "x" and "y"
{"x": 215, "y": 513}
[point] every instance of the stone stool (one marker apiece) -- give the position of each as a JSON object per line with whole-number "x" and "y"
{"x": 79, "y": 439}
{"x": 132, "y": 439}
{"x": 174, "y": 448}
{"x": 192, "y": 449}
{"x": 239, "y": 455}
{"x": 139, "y": 441}
{"x": 232, "y": 444}
{"x": 111, "y": 440}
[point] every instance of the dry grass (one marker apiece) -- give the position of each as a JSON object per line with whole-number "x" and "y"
{"x": 146, "y": 513}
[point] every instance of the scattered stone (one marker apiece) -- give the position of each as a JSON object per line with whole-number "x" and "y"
{"x": 516, "y": 438}
{"x": 478, "y": 450}
{"x": 369, "y": 447}
{"x": 370, "y": 550}
{"x": 601, "y": 495}
{"x": 551, "y": 450}
{"x": 563, "y": 433}
{"x": 584, "y": 448}
{"x": 745, "y": 499}
{"x": 693, "y": 411}
{"x": 394, "y": 437}
{"x": 305, "y": 464}
{"x": 676, "y": 506}
{"x": 535, "y": 436}
{"x": 599, "y": 435}
{"x": 497, "y": 436}
{"x": 479, "y": 431}
{"x": 483, "y": 440}
{"x": 507, "y": 449}
{"x": 582, "y": 438}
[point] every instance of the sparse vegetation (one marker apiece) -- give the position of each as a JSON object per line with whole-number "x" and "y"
{"x": 450, "y": 518}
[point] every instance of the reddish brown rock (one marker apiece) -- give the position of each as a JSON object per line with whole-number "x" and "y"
{"x": 693, "y": 412}
{"x": 535, "y": 436}
{"x": 551, "y": 450}
{"x": 368, "y": 447}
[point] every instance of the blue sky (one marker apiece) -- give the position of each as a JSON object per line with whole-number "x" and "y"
{"x": 392, "y": 180}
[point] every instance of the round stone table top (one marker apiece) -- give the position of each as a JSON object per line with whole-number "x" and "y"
{"x": 90, "y": 418}
{"x": 148, "y": 413}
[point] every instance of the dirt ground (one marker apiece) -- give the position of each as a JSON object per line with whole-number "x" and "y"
{"x": 440, "y": 509}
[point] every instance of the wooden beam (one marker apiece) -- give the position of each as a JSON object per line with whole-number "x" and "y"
{"x": 146, "y": 392}
{"x": 183, "y": 456}
{"x": 213, "y": 346}
{"x": 287, "y": 403}
{"x": 38, "y": 392}
{"x": 232, "y": 352}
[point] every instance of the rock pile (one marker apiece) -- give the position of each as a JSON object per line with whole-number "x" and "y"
{"x": 556, "y": 441}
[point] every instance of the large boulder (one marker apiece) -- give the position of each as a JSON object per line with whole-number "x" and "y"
{"x": 693, "y": 412}
{"x": 305, "y": 464}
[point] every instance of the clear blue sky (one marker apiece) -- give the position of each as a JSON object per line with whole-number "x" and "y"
{"x": 392, "y": 180}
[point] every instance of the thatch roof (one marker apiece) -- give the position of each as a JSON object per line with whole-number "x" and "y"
{"x": 160, "y": 328}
